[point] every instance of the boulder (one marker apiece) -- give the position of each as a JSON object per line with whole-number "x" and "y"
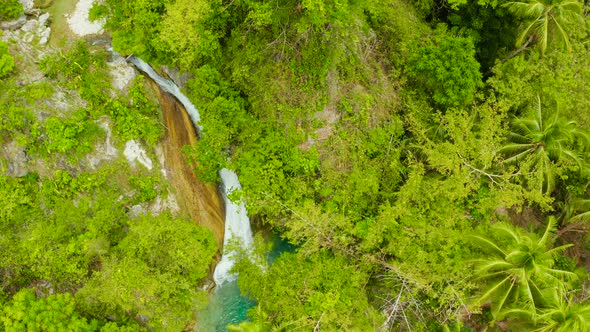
{"x": 13, "y": 24}
{"x": 30, "y": 26}
{"x": 44, "y": 36}
{"x": 43, "y": 19}
{"x": 28, "y": 6}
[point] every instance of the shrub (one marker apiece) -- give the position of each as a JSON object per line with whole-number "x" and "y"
{"x": 6, "y": 60}
{"x": 10, "y": 9}
{"x": 447, "y": 68}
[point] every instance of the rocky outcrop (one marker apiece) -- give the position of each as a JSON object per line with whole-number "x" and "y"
{"x": 121, "y": 72}
{"x": 37, "y": 28}
{"x": 28, "y": 6}
{"x": 18, "y": 162}
{"x": 17, "y": 23}
{"x": 13, "y": 24}
{"x": 30, "y": 31}
{"x": 135, "y": 153}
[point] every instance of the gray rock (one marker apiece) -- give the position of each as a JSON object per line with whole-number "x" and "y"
{"x": 28, "y": 6}
{"x": 14, "y": 24}
{"x": 178, "y": 77}
{"x": 18, "y": 163}
{"x": 43, "y": 19}
{"x": 137, "y": 211}
{"x": 30, "y": 26}
{"x": 44, "y": 36}
{"x": 28, "y": 37}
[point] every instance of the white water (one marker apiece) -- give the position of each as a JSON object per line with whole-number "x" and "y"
{"x": 237, "y": 223}
{"x": 237, "y": 227}
{"x": 169, "y": 87}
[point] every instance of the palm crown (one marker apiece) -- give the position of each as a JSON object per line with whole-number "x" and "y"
{"x": 546, "y": 138}
{"x": 519, "y": 268}
{"x": 565, "y": 316}
{"x": 546, "y": 19}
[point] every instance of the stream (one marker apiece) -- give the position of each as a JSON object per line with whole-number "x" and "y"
{"x": 226, "y": 305}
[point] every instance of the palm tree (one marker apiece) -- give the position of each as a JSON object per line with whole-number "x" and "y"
{"x": 544, "y": 20}
{"x": 546, "y": 139}
{"x": 519, "y": 267}
{"x": 564, "y": 316}
{"x": 574, "y": 214}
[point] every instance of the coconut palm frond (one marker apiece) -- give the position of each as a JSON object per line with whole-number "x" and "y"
{"x": 563, "y": 34}
{"x": 487, "y": 243}
{"x": 509, "y": 230}
{"x": 517, "y": 157}
{"x": 502, "y": 301}
{"x": 516, "y": 148}
{"x": 581, "y": 217}
{"x": 546, "y": 19}
{"x": 555, "y": 252}
{"x": 561, "y": 274}
{"x": 493, "y": 268}
{"x": 518, "y": 138}
{"x": 527, "y": 125}
{"x": 506, "y": 282}
{"x": 550, "y": 229}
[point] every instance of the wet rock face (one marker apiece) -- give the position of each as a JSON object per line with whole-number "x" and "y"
{"x": 121, "y": 72}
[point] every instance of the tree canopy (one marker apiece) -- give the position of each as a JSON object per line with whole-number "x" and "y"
{"x": 426, "y": 161}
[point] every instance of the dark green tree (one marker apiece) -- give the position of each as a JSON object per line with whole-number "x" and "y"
{"x": 447, "y": 68}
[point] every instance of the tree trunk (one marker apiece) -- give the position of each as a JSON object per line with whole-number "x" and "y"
{"x": 520, "y": 49}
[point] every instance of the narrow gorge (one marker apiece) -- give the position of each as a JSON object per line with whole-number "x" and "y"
{"x": 181, "y": 117}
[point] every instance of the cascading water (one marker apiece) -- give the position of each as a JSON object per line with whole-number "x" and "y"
{"x": 237, "y": 226}
{"x": 170, "y": 87}
{"x": 237, "y": 223}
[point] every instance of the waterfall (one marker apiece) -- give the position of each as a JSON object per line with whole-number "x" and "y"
{"x": 237, "y": 223}
{"x": 237, "y": 226}
{"x": 170, "y": 87}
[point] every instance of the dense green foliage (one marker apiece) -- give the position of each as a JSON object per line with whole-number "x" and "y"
{"x": 10, "y": 9}
{"x": 376, "y": 135}
{"x": 6, "y": 60}
{"x": 429, "y": 161}
{"x": 79, "y": 247}
{"x": 56, "y": 312}
{"x": 547, "y": 21}
{"x": 331, "y": 294}
{"x": 448, "y": 70}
